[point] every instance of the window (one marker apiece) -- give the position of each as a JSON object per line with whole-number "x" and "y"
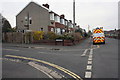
{"x": 26, "y": 21}
{"x": 58, "y": 31}
{"x": 26, "y": 18}
{"x": 51, "y": 16}
{"x": 30, "y": 20}
{"x": 57, "y": 19}
{"x": 52, "y": 23}
{"x": 66, "y": 22}
{"x": 62, "y": 21}
{"x": 52, "y": 29}
{"x": 98, "y": 34}
{"x": 41, "y": 29}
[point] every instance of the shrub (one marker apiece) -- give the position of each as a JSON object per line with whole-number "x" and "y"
{"x": 68, "y": 37}
{"x": 50, "y": 35}
{"x": 65, "y": 36}
{"x": 59, "y": 37}
{"x": 38, "y": 35}
{"x": 77, "y": 36}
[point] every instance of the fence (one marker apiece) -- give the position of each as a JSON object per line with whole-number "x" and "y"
{"x": 17, "y": 37}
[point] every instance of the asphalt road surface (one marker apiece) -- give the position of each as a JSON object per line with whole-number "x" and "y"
{"x": 85, "y": 59}
{"x": 20, "y": 70}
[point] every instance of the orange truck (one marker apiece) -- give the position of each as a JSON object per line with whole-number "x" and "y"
{"x": 98, "y": 36}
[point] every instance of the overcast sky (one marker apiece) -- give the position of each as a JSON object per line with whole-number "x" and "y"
{"x": 88, "y": 12}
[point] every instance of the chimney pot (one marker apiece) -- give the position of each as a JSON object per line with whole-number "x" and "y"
{"x": 70, "y": 21}
{"x": 46, "y": 5}
{"x": 62, "y": 16}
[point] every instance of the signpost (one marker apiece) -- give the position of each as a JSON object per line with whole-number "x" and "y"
{"x": 59, "y": 40}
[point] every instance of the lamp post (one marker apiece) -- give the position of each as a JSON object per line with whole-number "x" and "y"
{"x": 74, "y": 13}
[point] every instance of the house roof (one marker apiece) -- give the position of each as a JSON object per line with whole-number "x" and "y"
{"x": 30, "y": 4}
{"x": 50, "y": 11}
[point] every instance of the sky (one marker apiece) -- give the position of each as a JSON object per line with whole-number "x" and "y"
{"x": 95, "y": 13}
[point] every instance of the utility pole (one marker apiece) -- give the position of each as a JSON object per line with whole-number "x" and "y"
{"x": 88, "y": 28}
{"x": 28, "y": 21}
{"x": 1, "y": 21}
{"x": 74, "y": 13}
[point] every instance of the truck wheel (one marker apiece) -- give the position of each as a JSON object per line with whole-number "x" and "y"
{"x": 104, "y": 42}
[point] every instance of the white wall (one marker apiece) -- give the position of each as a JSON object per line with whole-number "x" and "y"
{"x": 62, "y": 21}
{"x": 57, "y": 18}
{"x": 52, "y": 16}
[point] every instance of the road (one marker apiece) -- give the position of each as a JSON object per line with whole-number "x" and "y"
{"x": 85, "y": 60}
{"x": 20, "y": 70}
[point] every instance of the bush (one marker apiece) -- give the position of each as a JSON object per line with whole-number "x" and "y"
{"x": 50, "y": 36}
{"x": 38, "y": 35}
{"x": 68, "y": 37}
{"x": 59, "y": 37}
{"x": 65, "y": 37}
{"x": 77, "y": 36}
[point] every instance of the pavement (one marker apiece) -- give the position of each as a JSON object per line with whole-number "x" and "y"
{"x": 40, "y": 46}
{"x": 84, "y": 59}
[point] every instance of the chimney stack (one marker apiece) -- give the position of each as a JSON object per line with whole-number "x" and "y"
{"x": 46, "y": 5}
{"x": 70, "y": 21}
{"x": 78, "y": 26}
{"x": 62, "y": 16}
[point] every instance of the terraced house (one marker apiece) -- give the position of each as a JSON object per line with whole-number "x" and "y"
{"x": 35, "y": 17}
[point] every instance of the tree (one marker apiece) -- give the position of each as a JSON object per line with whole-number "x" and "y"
{"x": 6, "y": 26}
{"x": 79, "y": 30}
{"x": 89, "y": 33}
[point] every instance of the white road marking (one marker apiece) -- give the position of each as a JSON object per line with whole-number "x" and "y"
{"x": 38, "y": 68}
{"x": 88, "y": 74}
{"x": 92, "y": 46}
{"x": 89, "y": 59}
{"x": 50, "y": 73}
{"x": 90, "y": 56}
{"x": 11, "y": 49}
{"x": 98, "y": 46}
{"x": 71, "y": 49}
{"x": 41, "y": 52}
{"x": 89, "y": 67}
{"x": 91, "y": 51}
{"x": 84, "y": 53}
{"x": 14, "y": 60}
{"x": 95, "y": 46}
{"x": 89, "y": 62}
{"x": 50, "y": 53}
{"x": 39, "y": 47}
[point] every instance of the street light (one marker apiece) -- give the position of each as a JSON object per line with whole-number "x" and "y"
{"x": 74, "y": 13}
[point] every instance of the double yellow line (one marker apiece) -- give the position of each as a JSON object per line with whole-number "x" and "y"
{"x": 50, "y": 64}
